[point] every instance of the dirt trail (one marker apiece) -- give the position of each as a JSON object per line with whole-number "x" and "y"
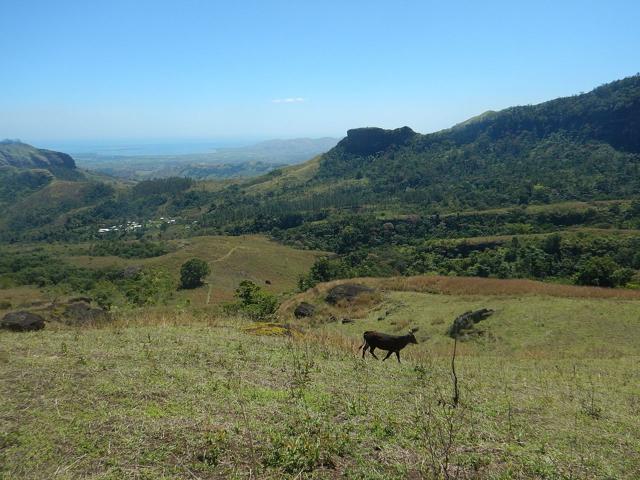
{"x": 227, "y": 255}
{"x": 222, "y": 259}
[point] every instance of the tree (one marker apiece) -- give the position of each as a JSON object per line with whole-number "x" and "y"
{"x": 192, "y": 273}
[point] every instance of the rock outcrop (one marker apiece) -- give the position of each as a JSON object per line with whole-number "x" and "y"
{"x": 465, "y": 323}
{"x": 370, "y": 140}
{"x": 346, "y": 292}
{"x": 81, "y": 313}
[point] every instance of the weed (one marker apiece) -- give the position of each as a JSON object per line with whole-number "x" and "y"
{"x": 439, "y": 425}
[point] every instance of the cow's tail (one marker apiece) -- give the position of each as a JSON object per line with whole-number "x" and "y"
{"x": 364, "y": 341}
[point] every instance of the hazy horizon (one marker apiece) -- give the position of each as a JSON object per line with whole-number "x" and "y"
{"x": 148, "y": 146}
{"x": 211, "y": 72}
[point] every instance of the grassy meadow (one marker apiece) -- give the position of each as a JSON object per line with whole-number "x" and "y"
{"x": 232, "y": 259}
{"x": 549, "y": 389}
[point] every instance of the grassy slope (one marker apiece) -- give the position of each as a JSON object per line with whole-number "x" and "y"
{"x": 549, "y": 391}
{"x": 232, "y": 259}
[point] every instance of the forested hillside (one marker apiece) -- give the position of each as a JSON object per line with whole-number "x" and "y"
{"x": 584, "y": 147}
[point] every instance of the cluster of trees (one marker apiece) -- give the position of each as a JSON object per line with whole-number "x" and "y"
{"x": 132, "y": 286}
{"x": 129, "y": 249}
{"x": 348, "y": 232}
{"x": 583, "y": 259}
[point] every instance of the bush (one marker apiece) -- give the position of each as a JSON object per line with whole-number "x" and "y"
{"x": 192, "y": 273}
{"x": 149, "y": 287}
{"x": 598, "y": 272}
{"x": 105, "y": 294}
{"x": 254, "y": 301}
{"x": 623, "y": 276}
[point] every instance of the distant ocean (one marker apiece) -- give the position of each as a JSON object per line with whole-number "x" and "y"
{"x": 142, "y": 147}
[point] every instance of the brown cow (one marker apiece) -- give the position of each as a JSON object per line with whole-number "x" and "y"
{"x": 390, "y": 343}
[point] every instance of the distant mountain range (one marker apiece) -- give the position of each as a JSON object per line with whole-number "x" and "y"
{"x": 246, "y": 161}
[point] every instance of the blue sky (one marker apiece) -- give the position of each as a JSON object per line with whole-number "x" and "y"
{"x": 260, "y": 69}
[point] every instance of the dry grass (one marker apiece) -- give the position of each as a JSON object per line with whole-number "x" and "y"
{"x": 438, "y": 284}
{"x": 494, "y": 286}
{"x": 184, "y": 399}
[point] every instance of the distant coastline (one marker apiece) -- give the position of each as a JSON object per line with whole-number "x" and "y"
{"x": 142, "y": 147}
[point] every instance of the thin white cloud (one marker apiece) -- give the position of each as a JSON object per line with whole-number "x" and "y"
{"x": 288, "y": 100}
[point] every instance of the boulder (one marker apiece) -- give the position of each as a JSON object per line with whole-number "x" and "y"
{"x": 304, "y": 310}
{"x": 347, "y": 292}
{"x": 22, "y": 321}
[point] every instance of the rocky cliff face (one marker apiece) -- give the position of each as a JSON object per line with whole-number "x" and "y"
{"x": 20, "y": 155}
{"x": 367, "y": 141}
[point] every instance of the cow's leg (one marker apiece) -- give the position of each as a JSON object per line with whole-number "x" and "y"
{"x": 371, "y": 351}
{"x": 364, "y": 349}
{"x": 388, "y": 355}
{"x": 398, "y": 355}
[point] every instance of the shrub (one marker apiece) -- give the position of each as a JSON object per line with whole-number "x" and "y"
{"x": 597, "y": 271}
{"x": 254, "y": 301}
{"x": 105, "y": 294}
{"x": 192, "y": 273}
{"x": 150, "y": 286}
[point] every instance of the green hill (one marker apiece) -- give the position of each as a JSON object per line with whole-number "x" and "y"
{"x": 584, "y": 147}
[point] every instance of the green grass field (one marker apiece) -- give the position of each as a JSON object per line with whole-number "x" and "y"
{"x": 551, "y": 389}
